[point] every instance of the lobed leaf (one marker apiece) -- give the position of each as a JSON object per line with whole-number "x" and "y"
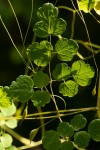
{"x": 6, "y": 140}
{"x": 94, "y": 129}
{"x": 40, "y": 98}
{"x": 41, "y": 79}
{"x": 51, "y": 140}
{"x": 65, "y": 129}
{"x": 81, "y": 139}
{"x": 66, "y": 49}
{"x": 61, "y": 71}
{"x": 82, "y": 72}
{"x": 78, "y": 122}
{"x": 40, "y": 53}
{"x": 67, "y": 145}
{"x": 68, "y": 88}
{"x": 22, "y": 88}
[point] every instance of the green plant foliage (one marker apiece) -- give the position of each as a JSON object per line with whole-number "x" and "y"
{"x": 41, "y": 98}
{"x": 49, "y": 23}
{"x": 33, "y": 134}
{"x": 22, "y": 88}
{"x": 66, "y": 49}
{"x": 67, "y": 145}
{"x": 94, "y": 129}
{"x": 6, "y": 140}
{"x": 5, "y": 101}
{"x": 51, "y": 140}
{"x": 2, "y": 121}
{"x": 1, "y": 146}
{"x": 12, "y": 148}
{"x": 68, "y": 88}
{"x": 65, "y": 129}
{"x": 61, "y": 72}
{"x": 41, "y": 79}
{"x": 97, "y": 6}
{"x": 11, "y": 123}
{"x": 86, "y": 5}
{"x": 81, "y": 139}
{"x": 78, "y": 122}
{"x": 82, "y": 72}
{"x": 40, "y": 53}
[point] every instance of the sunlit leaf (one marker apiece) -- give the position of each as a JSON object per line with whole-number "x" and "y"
{"x": 12, "y": 148}
{"x": 67, "y": 145}
{"x": 78, "y": 122}
{"x": 59, "y": 26}
{"x": 82, "y": 73}
{"x": 61, "y": 71}
{"x": 33, "y": 134}
{"x": 1, "y": 146}
{"x": 2, "y": 121}
{"x": 94, "y": 129}
{"x": 66, "y": 49}
{"x": 97, "y": 6}
{"x": 41, "y": 79}
{"x": 40, "y": 98}
{"x": 86, "y": 5}
{"x": 11, "y": 123}
{"x": 48, "y": 13}
{"x": 81, "y": 139}
{"x": 6, "y": 140}
{"x": 22, "y": 88}
{"x": 51, "y": 140}
{"x": 5, "y": 101}
{"x": 65, "y": 129}
{"x": 9, "y": 111}
{"x": 40, "y": 53}
{"x": 68, "y": 88}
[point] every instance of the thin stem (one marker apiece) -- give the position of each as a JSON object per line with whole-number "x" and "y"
{"x": 72, "y": 26}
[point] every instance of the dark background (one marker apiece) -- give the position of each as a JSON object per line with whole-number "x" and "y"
{"x": 11, "y": 65}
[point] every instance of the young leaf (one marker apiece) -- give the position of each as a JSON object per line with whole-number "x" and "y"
{"x": 40, "y": 98}
{"x": 81, "y": 139}
{"x": 67, "y": 145}
{"x": 40, "y": 79}
{"x": 94, "y": 129}
{"x": 40, "y": 53}
{"x": 68, "y": 88}
{"x": 51, "y": 140}
{"x": 5, "y": 101}
{"x": 48, "y": 13}
{"x": 61, "y": 72}
{"x": 33, "y": 134}
{"x": 66, "y": 49}
{"x": 82, "y": 72}
{"x": 65, "y": 129}
{"x": 22, "y": 88}
{"x": 59, "y": 26}
{"x": 86, "y": 5}
{"x": 78, "y": 122}
{"x": 6, "y": 140}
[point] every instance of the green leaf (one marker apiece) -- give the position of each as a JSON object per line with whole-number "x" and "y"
{"x": 22, "y": 88}
{"x": 1, "y": 146}
{"x": 68, "y": 88}
{"x": 40, "y": 53}
{"x": 2, "y": 121}
{"x": 12, "y": 148}
{"x": 66, "y": 49}
{"x": 41, "y": 29}
{"x": 33, "y": 134}
{"x": 6, "y": 140}
{"x": 48, "y": 13}
{"x": 51, "y": 140}
{"x": 65, "y": 129}
{"x": 40, "y": 98}
{"x": 81, "y": 139}
{"x": 41, "y": 79}
{"x": 5, "y": 101}
{"x": 97, "y": 6}
{"x": 82, "y": 73}
{"x": 61, "y": 72}
{"x": 11, "y": 123}
{"x": 8, "y": 111}
{"x": 59, "y": 26}
{"x": 67, "y": 145}
{"x": 86, "y": 5}
{"x": 94, "y": 129}
{"x": 78, "y": 122}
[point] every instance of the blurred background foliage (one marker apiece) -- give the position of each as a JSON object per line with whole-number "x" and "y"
{"x": 11, "y": 65}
